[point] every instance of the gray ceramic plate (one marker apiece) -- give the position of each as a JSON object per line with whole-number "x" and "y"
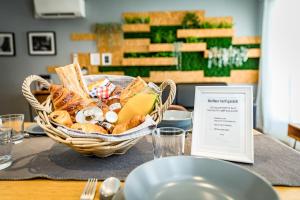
{"x": 177, "y": 118}
{"x": 35, "y": 130}
{"x": 190, "y": 178}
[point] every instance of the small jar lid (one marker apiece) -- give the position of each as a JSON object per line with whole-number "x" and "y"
{"x": 111, "y": 117}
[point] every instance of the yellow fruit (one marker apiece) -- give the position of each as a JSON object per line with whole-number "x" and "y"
{"x": 140, "y": 104}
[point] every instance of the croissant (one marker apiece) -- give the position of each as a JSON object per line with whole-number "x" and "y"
{"x": 61, "y": 117}
{"x": 65, "y": 99}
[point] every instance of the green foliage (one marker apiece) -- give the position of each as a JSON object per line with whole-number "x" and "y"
{"x": 163, "y": 34}
{"x": 217, "y": 71}
{"x": 190, "y": 60}
{"x": 225, "y": 25}
{"x": 218, "y": 42}
{"x": 158, "y": 34}
{"x": 137, "y": 35}
{"x": 107, "y": 28}
{"x": 137, "y": 20}
{"x": 190, "y": 20}
{"x": 147, "y": 20}
{"x": 170, "y": 37}
{"x": 251, "y": 63}
{"x": 148, "y": 55}
{"x": 193, "y": 40}
{"x": 193, "y": 61}
{"x": 248, "y": 46}
{"x": 209, "y": 25}
{"x": 157, "y": 37}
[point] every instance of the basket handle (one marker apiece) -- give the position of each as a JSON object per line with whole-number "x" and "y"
{"x": 172, "y": 93}
{"x": 30, "y": 97}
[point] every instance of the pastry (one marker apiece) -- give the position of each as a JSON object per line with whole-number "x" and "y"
{"x": 61, "y": 117}
{"x": 133, "y": 122}
{"x": 89, "y": 128}
{"x": 65, "y": 99}
{"x": 136, "y": 86}
{"x": 72, "y": 80}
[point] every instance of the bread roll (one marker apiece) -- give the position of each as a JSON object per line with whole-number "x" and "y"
{"x": 89, "y": 128}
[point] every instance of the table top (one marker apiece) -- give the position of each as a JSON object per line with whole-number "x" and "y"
{"x": 55, "y": 189}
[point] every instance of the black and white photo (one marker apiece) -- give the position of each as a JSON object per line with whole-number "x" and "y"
{"x": 7, "y": 44}
{"x": 41, "y": 43}
{"x": 106, "y": 59}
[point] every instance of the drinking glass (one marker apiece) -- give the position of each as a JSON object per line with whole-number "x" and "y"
{"x": 16, "y": 122}
{"x": 168, "y": 141}
{"x": 5, "y": 147}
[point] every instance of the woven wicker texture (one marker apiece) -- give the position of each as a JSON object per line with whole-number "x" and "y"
{"x": 89, "y": 146}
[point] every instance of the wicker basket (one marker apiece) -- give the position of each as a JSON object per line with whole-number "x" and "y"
{"x": 88, "y": 146}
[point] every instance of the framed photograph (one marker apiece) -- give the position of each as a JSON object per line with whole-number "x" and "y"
{"x": 106, "y": 59}
{"x": 222, "y": 124}
{"x": 7, "y": 44}
{"x": 41, "y": 43}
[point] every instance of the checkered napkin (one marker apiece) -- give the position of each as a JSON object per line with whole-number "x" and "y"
{"x": 103, "y": 91}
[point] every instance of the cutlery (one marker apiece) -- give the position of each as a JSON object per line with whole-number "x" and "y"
{"x": 109, "y": 188}
{"x": 89, "y": 189}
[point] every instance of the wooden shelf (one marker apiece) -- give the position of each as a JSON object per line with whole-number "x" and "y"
{"x": 246, "y": 40}
{"x": 136, "y": 42}
{"x": 172, "y": 18}
{"x": 218, "y": 20}
{"x": 136, "y": 45}
{"x": 186, "y": 47}
{"x": 136, "y": 49}
{"x": 237, "y": 76}
{"x": 134, "y": 28}
{"x": 161, "y": 47}
{"x": 83, "y": 36}
{"x": 149, "y": 61}
{"x": 193, "y": 47}
{"x": 135, "y": 14}
{"x": 204, "y": 33}
{"x": 254, "y": 53}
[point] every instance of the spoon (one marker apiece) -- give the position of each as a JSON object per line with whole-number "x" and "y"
{"x": 109, "y": 188}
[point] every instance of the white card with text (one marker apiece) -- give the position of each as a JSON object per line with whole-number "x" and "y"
{"x": 223, "y": 123}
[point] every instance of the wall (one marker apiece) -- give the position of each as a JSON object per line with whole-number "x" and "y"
{"x": 17, "y": 16}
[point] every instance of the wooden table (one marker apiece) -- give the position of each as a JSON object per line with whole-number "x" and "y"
{"x": 69, "y": 190}
{"x": 294, "y": 132}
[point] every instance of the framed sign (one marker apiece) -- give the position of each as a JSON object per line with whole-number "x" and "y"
{"x": 222, "y": 124}
{"x": 7, "y": 44}
{"x": 41, "y": 43}
{"x": 106, "y": 59}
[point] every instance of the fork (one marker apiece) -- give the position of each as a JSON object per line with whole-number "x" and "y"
{"x": 89, "y": 189}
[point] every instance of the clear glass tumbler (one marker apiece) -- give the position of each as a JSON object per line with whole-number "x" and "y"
{"x": 5, "y": 147}
{"x": 168, "y": 141}
{"x": 16, "y": 122}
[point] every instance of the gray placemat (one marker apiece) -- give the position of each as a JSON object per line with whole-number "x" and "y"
{"x": 40, "y": 157}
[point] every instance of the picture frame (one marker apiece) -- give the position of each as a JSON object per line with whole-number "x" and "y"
{"x": 41, "y": 43}
{"x": 223, "y": 123}
{"x": 106, "y": 59}
{"x": 7, "y": 44}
